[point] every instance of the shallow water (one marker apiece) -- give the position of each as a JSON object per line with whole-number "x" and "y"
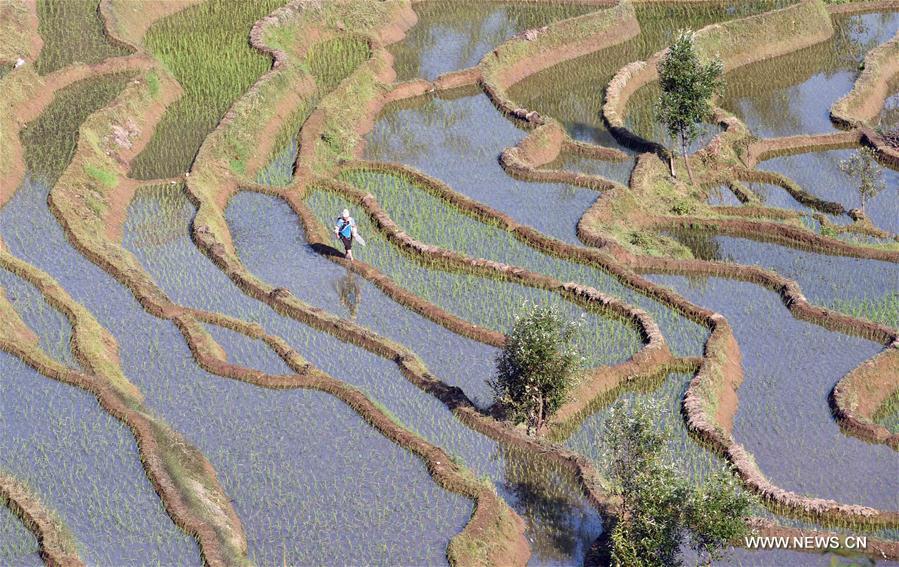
{"x": 452, "y": 35}
{"x": 277, "y": 252}
{"x": 723, "y": 196}
{"x": 52, "y": 327}
{"x": 793, "y": 94}
{"x": 825, "y": 280}
{"x": 691, "y": 459}
{"x": 432, "y": 220}
{"x": 380, "y": 378}
{"x": 579, "y": 105}
{"x": 783, "y": 417}
{"x": 819, "y": 174}
{"x": 603, "y": 338}
{"x": 156, "y": 358}
{"x": 458, "y": 141}
{"x": 83, "y": 464}
{"x": 619, "y": 171}
{"x": 18, "y": 546}
{"x": 246, "y": 351}
{"x": 766, "y": 558}
{"x": 888, "y": 119}
{"x": 771, "y": 195}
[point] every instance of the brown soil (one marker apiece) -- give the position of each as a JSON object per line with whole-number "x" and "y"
{"x": 57, "y": 547}
{"x": 857, "y": 397}
{"x": 790, "y": 145}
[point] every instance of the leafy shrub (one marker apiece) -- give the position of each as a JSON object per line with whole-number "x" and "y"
{"x": 537, "y": 366}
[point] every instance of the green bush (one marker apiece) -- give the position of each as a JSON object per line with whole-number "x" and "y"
{"x": 660, "y": 511}
{"x": 537, "y": 366}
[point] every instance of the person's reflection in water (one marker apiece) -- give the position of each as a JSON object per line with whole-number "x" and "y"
{"x": 349, "y": 292}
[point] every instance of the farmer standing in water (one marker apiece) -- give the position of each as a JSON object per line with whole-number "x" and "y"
{"x": 345, "y": 229}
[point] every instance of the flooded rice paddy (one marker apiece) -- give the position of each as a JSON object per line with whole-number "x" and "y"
{"x": 311, "y": 481}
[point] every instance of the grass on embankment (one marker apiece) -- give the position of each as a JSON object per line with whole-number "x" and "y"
{"x": 207, "y": 50}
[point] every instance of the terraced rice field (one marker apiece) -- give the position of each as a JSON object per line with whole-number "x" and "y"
{"x": 192, "y": 372}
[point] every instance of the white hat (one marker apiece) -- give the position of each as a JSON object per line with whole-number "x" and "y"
{"x": 345, "y": 213}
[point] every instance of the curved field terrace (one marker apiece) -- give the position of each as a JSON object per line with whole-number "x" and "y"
{"x": 193, "y": 370}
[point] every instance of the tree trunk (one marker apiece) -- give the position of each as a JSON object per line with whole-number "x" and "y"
{"x": 683, "y": 146}
{"x": 671, "y": 164}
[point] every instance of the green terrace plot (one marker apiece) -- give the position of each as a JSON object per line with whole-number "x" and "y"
{"x": 49, "y": 141}
{"x": 329, "y": 62}
{"x": 206, "y": 48}
{"x": 73, "y": 33}
{"x": 432, "y": 220}
{"x": 452, "y": 34}
{"x": 491, "y": 303}
{"x": 888, "y": 414}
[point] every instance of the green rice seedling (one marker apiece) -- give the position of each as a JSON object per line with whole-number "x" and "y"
{"x": 52, "y": 327}
{"x": 73, "y": 33}
{"x": 17, "y": 544}
{"x": 205, "y": 47}
{"x": 485, "y": 301}
{"x": 82, "y": 463}
{"x": 49, "y": 141}
{"x": 332, "y": 60}
{"x": 888, "y": 414}
{"x": 329, "y": 62}
{"x": 454, "y": 35}
{"x": 883, "y": 309}
{"x": 579, "y": 104}
{"x": 428, "y": 218}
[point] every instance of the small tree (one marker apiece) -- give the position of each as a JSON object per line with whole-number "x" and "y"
{"x": 659, "y": 510}
{"x": 688, "y": 86}
{"x": 537, "y": 366}
{"x": 866, "y": 171}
